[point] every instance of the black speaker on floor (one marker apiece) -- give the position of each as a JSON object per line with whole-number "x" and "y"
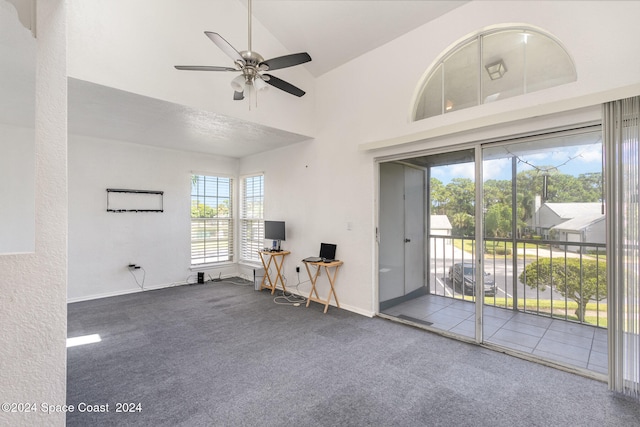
{"x": 200, "y": 277}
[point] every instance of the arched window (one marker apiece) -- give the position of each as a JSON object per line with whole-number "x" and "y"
{"x": 493, "y": 65}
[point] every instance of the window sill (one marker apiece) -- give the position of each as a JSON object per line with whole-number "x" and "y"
{"x": 251, "y": 264}
{"x": 211, "y": 265}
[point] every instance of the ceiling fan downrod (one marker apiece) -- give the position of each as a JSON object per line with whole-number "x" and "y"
{"x": 249, "y": 26}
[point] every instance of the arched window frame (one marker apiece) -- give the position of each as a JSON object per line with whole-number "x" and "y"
{"x": 438, "y": 66}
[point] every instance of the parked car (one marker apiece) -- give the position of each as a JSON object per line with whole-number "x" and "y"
{"x": 462, "y": 276}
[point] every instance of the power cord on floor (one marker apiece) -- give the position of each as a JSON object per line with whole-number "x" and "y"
{"x": 290, "y": 298}
{"x": 144, "y": 275}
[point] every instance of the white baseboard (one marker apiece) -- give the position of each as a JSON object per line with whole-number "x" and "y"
{"x": 332, "y": 304}
{"x": 136, "y": 290}
{"x": 358, "y": 310}
{"x": 124, "y": 292}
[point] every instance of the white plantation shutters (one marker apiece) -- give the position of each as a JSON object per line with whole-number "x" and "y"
{"x": 252, "y": 217}
{"x": 211, "y": 219}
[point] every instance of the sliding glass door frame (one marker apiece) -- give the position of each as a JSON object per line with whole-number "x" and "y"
{"x": 476, "y": 152}
{"x": 479, "y": 236}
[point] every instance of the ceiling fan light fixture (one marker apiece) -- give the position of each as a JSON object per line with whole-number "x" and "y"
{"x": 260, "y": 84}
{"x": 496, "y": 69}
{"x": 238, "y": 83}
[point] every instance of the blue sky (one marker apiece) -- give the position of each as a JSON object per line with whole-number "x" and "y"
{"x": 575, "y": 160}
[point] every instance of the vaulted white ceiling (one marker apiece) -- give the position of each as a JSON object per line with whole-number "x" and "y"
{"x": 336, "y": 31}
{"x": 332, "y": 31}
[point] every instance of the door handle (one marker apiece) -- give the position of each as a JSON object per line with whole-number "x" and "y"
{"x": 407, "y": 240}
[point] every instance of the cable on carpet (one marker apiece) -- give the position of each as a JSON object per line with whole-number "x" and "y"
{"x": 144, "y": 275}
{"x": 295, "y": 299}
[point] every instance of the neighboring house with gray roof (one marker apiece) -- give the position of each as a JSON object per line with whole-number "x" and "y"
{"x": 589, "y": 228}
{"x": 440, "y": 226}
{"x": 570, "y": 222}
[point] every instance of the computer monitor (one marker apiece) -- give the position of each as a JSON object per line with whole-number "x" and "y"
{"x": 275, "y": 231}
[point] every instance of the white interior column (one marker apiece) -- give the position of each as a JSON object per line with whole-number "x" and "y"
{"x": 33, "y": 286}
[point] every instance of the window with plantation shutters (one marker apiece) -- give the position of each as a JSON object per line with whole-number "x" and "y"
{"x": 211, "y": 219}
{"x": 252, "y": 217}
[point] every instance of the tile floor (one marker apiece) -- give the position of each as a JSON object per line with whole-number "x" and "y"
{"x": 569, "y": 343}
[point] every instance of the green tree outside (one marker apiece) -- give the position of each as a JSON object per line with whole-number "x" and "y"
{"x": 497, "y": 220}
{"x": 579, "y": 281}
{"x": 456, "y": 199}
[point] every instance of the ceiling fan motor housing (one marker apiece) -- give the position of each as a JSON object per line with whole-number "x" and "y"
{"x": 251, "y": 66}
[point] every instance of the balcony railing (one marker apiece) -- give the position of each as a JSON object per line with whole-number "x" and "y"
{"x": 565, "y": 280}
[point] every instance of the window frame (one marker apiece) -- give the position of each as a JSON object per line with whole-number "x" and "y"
{"x": 423, "y": 108}
{"x": 219, "y": 253}
{"x": 251, "y": 220}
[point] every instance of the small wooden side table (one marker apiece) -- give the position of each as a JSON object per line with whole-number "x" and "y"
{"x": 329, "y": 268}
{"x": 277, "y": 259}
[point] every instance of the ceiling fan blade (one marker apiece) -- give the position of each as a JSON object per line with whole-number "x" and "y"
{"x": 286, "y": 61}
{"x": 238, "y": 96}
{"x": 204, "y": 68}
{"x": 225, "y": 46}
{"x": 282, "y": 85}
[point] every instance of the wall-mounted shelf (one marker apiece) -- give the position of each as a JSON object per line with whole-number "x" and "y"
{"x": 126, "y": 200}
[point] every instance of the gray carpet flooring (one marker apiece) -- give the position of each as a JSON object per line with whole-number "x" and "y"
{"x": 220, "y": 354}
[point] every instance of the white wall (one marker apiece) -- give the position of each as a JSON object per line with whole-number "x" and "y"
{"x": 17, "y": 189}
{"x": 32, "y": 286}
{"x": 321, "y": 185}
{"x": 380, "y": 100}
{"x": 134, "y": 45}
{"x": 323, "y": 191}
{"x": 102, "y": 244}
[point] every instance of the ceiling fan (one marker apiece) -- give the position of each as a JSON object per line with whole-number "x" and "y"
{"x": 252, "y": 66}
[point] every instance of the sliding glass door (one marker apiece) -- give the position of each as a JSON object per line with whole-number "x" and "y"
{"x": 514, "y": 246}
{"x": 544, "y": 248}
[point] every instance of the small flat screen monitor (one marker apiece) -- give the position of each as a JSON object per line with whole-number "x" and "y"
{"x": 274, "y": 230}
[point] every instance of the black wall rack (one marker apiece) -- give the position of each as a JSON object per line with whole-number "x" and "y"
{"x": 136, "y": 201}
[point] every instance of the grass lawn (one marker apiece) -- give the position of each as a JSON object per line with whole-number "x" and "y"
{"x": 594, "y": 311}
{"x": 468, "y": 245}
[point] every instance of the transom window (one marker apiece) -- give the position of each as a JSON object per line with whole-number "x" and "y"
{"x": 211, "y": 219}
{"x": 491, "y": 66}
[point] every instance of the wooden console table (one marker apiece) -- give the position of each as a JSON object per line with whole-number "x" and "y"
{"x": 329, "y": 268}
{"x": 277, "y": 259}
